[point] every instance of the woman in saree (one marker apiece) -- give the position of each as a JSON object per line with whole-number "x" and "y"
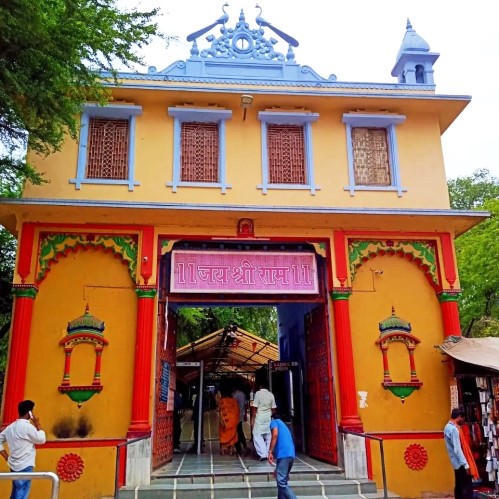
{"x": 228, "y": 418}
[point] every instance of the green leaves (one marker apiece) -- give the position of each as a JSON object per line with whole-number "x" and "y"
{"x": 51, "y": 56}
{"x": 477, "y": 251}
{"x": 194, "y": 323}
{"x": 467, "y": 193}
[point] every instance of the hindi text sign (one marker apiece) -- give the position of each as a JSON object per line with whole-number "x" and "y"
{"x": 243, "y": 272}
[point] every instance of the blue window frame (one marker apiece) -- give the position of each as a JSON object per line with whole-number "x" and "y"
{"x": 198, "y": 115}
{"x": 112, "y": 111}
{"x": 387, "y": 122}
{"x": 288, "y": 118}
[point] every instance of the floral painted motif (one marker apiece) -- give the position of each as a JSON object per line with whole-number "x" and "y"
{"x": 70, "y": 467}
{"x": 422, "y": 253}
{"x": 416, "y": 457}
{"x": 53, "y": 246}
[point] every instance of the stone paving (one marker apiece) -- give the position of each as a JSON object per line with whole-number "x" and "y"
{"x": 211, "y": 462}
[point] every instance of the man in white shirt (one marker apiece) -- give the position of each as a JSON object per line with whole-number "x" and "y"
{"x": 261, "y": 412}
{"x": 21, "y": 437}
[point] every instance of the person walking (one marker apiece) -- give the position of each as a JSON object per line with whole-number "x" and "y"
{"x": 21, "y": 437}
{"x": 241, "y": 438}
{"x": 460, "y": 456}
{"x": 282, "y": 450}
{"x": 261, "y": 411}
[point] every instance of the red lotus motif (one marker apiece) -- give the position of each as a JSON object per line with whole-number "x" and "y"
{"x": 70, "y": 467}
{"x": 416, "y": 457}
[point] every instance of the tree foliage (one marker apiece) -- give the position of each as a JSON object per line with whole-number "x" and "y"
{"x": 194, "y": 323}
{"x": 52, "y": 53}
{"x": 468, "y": 193}
{"x": 477, "y": 252}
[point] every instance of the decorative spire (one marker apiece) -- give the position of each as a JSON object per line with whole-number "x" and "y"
{"x": 242, "y": 42}
{"x": 414, "y": 63}
{"x": 195, "y": 48}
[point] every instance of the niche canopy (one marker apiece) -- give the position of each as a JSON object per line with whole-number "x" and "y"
{"x": 394, "y": 329}
{"x": 84, "y": 329}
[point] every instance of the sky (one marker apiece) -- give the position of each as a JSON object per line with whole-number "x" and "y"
{"x": 358, "y": 40}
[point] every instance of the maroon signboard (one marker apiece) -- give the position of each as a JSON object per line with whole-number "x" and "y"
{"x": 243, "y": 272}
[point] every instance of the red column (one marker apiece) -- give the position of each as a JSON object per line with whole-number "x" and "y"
{"x": 386, "y": 369}
{"x": 98, "y": 361}
{"x": 140, "y": 423}
{"x": 450, "y": 312}
{"x": 349, "y": 418}
{"x": 412, "y": 363}
{"x": 67, "y": 366}
{"x": 19, "y": 344}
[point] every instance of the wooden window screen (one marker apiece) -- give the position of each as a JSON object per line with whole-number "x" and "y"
{"x": 370, "y": 156}
{"x": 286, "y": 154}
{"x": 107, "y": 155}
{"x": 199, "y": 152}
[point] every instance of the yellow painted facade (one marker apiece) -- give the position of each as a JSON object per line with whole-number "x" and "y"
{"x": 422, "y": 170}
{"x": 89, "y": 267}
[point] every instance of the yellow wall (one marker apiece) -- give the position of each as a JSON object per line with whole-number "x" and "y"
{"x": 97, "y": 480}
{"x": 436, "y": 479}
{"x": 405, "y": 287}
{"x": 421, "y": 168}
{"x": 102, "y": 281}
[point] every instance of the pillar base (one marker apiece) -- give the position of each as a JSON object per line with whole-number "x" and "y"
{"x": 352, "y": 424}
{"x": 139, "y": 429}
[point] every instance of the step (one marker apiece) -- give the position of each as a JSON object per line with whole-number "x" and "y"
{"x": 249, "y": 489}
{"x": 376, "y": 495}
{"x": 253, "y": 476}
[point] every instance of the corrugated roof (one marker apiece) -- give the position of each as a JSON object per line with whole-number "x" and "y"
{"x": 227, "y": 353}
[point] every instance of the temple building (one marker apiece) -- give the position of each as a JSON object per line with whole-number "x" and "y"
{"x": 240, "y": 177}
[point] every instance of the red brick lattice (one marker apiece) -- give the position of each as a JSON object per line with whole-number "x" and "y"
{"x": 107, "y": 156}
{"x": 162, "y": 451}
{"x": 199, "y": 152}
{"x": 286, "y": 152}
{"x": 370, "y": 156}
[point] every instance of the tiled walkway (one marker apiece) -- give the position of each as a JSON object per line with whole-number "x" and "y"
{"x": 210, "y": 462}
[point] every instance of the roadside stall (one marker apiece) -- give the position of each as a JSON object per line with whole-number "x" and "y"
{"x": 476, "y": 389}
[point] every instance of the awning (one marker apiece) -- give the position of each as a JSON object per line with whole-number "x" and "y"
{"x": 482, "y": 352}
{"x": 227, "y": 353}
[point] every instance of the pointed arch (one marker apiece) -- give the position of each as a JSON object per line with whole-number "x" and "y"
{"x": 55, "y": 246}
{"x": 421, "y": 253}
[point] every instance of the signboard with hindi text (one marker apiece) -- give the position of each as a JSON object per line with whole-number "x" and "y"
{"x": 243, "y": 272}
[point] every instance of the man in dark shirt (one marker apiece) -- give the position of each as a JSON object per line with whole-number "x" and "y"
{"x": 282, "y": 449}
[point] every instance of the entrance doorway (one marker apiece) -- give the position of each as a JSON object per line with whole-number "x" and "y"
{"x": 304, "y": 393}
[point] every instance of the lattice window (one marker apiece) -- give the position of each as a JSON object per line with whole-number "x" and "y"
{"x": 286, "y": 154}
{"x": 107, "y": 153}
{"x": 371, "y": 156}
{"x": 199, "y": 153}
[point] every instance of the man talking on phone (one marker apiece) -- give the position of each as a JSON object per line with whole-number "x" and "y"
{"x": 21, "y": 437}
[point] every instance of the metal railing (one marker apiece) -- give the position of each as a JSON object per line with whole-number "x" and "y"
{"x": 35, "y": 475}
{"x": 382, "y": 454}
{"x": 118, "y": 455}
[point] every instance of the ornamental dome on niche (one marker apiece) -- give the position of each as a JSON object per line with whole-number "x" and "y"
{"x": 86, "y": 323}
{"x": 394, "y": 324}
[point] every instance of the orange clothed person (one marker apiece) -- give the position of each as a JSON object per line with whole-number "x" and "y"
{"x": 228, "y": 420}
{"x": 465, "y": 446}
